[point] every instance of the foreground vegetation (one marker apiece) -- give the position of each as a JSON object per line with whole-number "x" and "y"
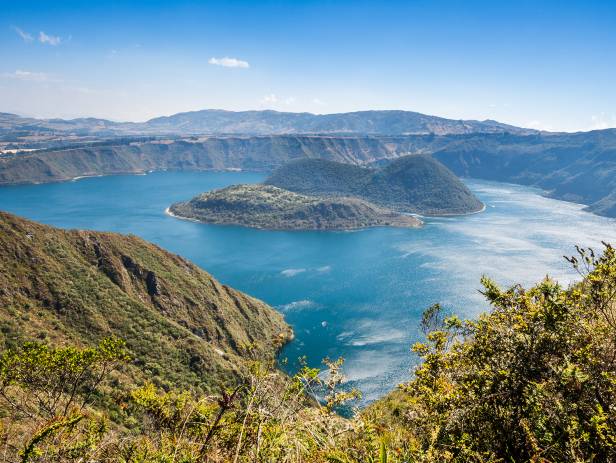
{"x": 533, "y": 380}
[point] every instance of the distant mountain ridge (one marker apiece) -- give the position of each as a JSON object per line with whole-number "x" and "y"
{"x": 264, "y": 122}
{"x": 389, "y": 122}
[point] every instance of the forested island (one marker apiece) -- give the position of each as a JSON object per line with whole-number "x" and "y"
{"x": 269, "y": 207}
{"x": 412, "y": 184}
{"x": 316, "y": 194}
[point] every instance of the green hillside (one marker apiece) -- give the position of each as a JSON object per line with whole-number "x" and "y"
{"x": 533, "y": 380}
{"x": 181, "y": 326}
{"x": 416, "y": 184}
{"x": 265, "y": 206}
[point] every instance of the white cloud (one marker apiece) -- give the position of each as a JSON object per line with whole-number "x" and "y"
{"x": 229, "y": 62}
{"x": 318, "y": 102}
{"x": 25, "y": 36}
{"x": 272, "y": 99}
{"x": 27, "y": 75}
{"x": 49, "y": 39}
{"x": 602, "y": 121}
{"x": 269, "y": 99}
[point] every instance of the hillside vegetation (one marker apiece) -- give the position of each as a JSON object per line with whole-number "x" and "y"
{"x": 181, "y": 327}
{"x": 533, "y": 380}
{"x": 416, "y": 184}
{"x": 265, "y": 206}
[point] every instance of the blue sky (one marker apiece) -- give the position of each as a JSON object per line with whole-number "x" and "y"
{"x": 550, "y": 65}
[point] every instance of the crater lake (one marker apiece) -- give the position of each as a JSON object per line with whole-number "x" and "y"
{"x": 356, "y": 294}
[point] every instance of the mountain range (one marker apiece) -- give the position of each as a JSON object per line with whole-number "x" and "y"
{"x": 578, "y": 167}
{"x": 267, "y": 122}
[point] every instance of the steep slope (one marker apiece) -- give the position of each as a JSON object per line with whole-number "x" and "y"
{"x": 265, "y": 206}
{"x": 416, "y": 183}
{"x": 249, "y": 153}
{"x": 181, "y": 325}
{"x": 579, "y": 167}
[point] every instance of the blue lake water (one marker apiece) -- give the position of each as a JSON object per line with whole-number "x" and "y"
{"x": 353, "y": 294}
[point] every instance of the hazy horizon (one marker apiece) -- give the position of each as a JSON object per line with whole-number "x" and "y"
{"x": 280, "y": 111}
{"x": 544, "y": 65}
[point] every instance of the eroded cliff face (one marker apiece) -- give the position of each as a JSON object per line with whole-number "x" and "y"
{"x": 213, "y": 153}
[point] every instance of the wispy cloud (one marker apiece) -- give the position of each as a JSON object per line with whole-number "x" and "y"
{"x": 269, "y": 99}
{"x": 229, "y": 62}
{"x": 49, "y": 39}
{"x": 318, "y": 102}
{"x": 25, "y": 36}
{"x": 27, "y": 75}
{"x": 273, "y": 99}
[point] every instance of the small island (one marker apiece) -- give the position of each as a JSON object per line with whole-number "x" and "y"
{"x": 273, "y": 208}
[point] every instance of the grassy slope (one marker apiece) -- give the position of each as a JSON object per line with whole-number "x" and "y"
{"x": 265, "y": 206}
{"x": 181, "y": 325}
{"x": 415, "y": 183}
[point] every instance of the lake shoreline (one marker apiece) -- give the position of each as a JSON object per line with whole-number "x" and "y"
{"x": 369, "y": 286}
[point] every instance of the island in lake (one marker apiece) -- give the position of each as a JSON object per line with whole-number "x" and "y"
{"x": 416, "y": 183}
{"x": 316, "y": 194}
{"x": 269, "y": 207}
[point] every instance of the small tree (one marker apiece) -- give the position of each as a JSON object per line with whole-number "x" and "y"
{"x": 47, "y": 391}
